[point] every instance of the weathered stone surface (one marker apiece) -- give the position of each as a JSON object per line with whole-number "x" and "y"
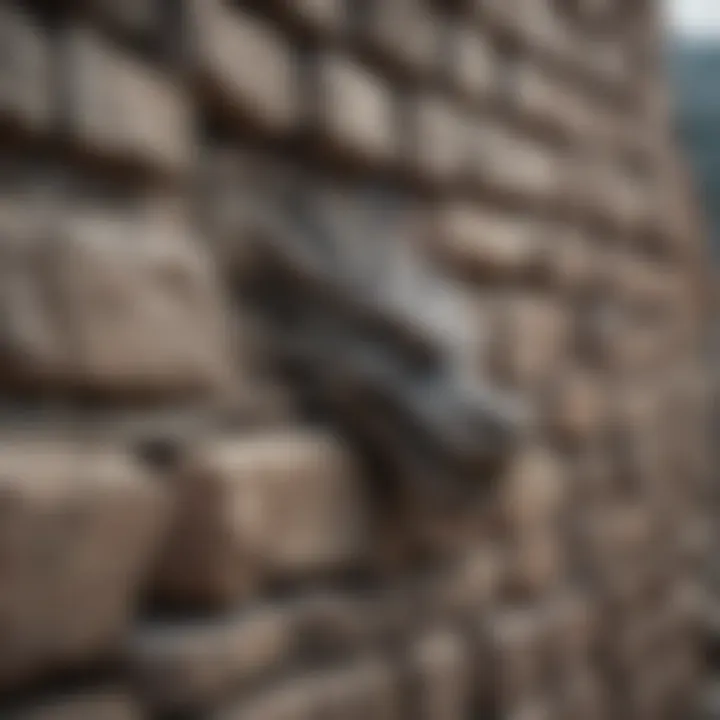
{"x": 364, "y": 688}
{"x": 355, "y": 110}
{"x": 80, "y": 526}
{"x": 194, "y": 665}
{"x": 123, "y": 109}
{"x": 405, "y": 33}
{"x": 26, "y": 95}
{"x": 261, "y": 507}
{"x": 35, "y": 353}
{"x": 178, "y": 344}
{"x": 90, "y": 704}
{"x": 245, "y": 65}
{"x": 439, "y": 676}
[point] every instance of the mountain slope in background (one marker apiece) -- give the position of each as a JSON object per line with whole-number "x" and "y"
{"x": 695, "y": 69}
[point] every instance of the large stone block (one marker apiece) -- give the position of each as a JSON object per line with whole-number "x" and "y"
{"x": 363, "y": 688}
{"x": 501, "y": 14}
{"x": 544, "y": 28}
{"x": 331, "y": 626}
{"x": 471, "y": 582}
{"x": 438, "y": 138}
{"x": 474, "y": 67}
{"x": 322, "y": 16}
{"x": 535, "y": 563}
{"x": 405, "y": 33}
{"x": 533, "y": 341}
{"x": 543, "y": 99}
{"x": 439, "y": 676}
{"x": 618, "y": 548}
{"x": 514, "y": 656}
{"x": 245, "y": 66}
{"x": 261, "y": 507}
{"x": 35, "y": 353}
{"x": 25, "y": 70}
{"x": 195, "y": 665}
{"x": 512, "y": 166}
{"x": 89, "y": 704}
{"x": 576, "y": 406}
{"x": 146, "y": 319}
{"x": 533, "y": 709}
{"x": 574, "y": 624}
{"x": 139, "y": 18}
{"x": 481, "y": 242}
{"x": 355, "y": 110}
{"x": 80, "y": 525}
{"x": 582, "y": 695}
{"x": 533, "y": 496}
{"x": 120, "y": 108}
{"x": 533, "y": 492}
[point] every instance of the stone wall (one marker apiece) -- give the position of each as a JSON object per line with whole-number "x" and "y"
{"x": 352, "y": 362}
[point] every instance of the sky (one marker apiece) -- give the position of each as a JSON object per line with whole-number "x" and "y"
{"x": 694, "y": 17}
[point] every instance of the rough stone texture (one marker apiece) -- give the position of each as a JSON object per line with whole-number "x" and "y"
{"x": 89, "y": 704}
{"x": 145, "y": 318}
{"x": 260, "y": 507}
{"x": 80, "y": 528}
{"x": 181, "y": 667}
{"x": 245, "y": 65}
{"x": 354, "y": 109}
{"x": 25, "y": 100}
{"x": 427, "y": 278}
{"x": 122, "y": 107}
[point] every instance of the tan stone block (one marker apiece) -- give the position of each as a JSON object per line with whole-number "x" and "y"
{"x": 576, "y": 405}
{"x": 439, "y": 675}
{"x": 405, "y": 33}
{"x": 120, "y": 108}
{"x": 366, "y": 688}
{"x": 438, "y": 135}
{"x": 273, "y": 505}
{"x": 534, "y": 341}
{"x": 542, "y": 98}
{"x": 535, "y": 562}
{"x": 324, "y": 15}
{"x": 510, "y": 164}
{"x": 533, "y": 490}
{"x": 139, "y": 17}
{"x": 474, "y": 581}
{"x": 91, "y": 704}
{"x": 361, "y": 689}
{"x": 481, "y": 242}
{"x": 295, "y": 699}
{"x": 194, "y": 665}
{"x": 529, "y": 709}
{"x": 355, "y": 111}
{"x": 81, "y": 524}
{"x": 574, "y": 624}
{"x": 146, "y": 319}
{"x": 245, "y": 65}
{"x": 545, "y": 28}
{"x": 331, "y": 626}
{"x": 582, "y": 695}
{"x": 514, "y": 656}
{"x": 25, "y": 79}
{"x": 36, "y": 353}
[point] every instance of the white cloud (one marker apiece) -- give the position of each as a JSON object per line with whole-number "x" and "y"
{"x": 694, "y": 17}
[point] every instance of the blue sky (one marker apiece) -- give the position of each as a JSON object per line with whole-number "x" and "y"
{"x": 694, "y": 17}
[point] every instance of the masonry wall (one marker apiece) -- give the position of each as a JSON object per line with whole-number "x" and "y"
{"x": 351, "y": 363}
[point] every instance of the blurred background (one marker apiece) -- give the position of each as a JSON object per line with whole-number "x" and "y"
{"x": 694, "y": 39}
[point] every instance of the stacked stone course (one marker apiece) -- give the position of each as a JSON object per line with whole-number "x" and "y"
{"x": 350, "y": 353}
